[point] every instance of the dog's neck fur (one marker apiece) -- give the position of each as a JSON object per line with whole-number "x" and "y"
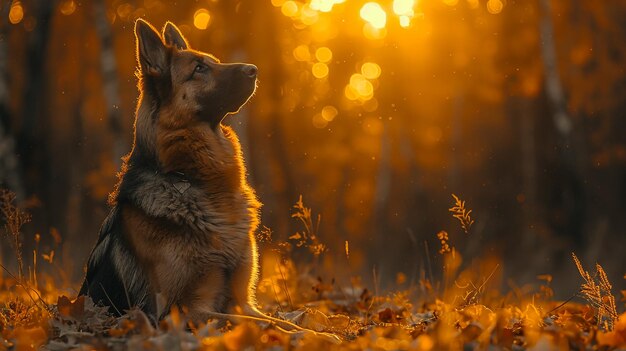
{"x": 168, "y": 144}
{"x": 189, "y": 146}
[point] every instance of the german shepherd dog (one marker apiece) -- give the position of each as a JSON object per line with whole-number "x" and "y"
{"x": 181, "y": 228}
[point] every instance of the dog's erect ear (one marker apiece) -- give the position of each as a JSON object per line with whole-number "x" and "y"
{"x": 151, "y": 52}
{"x": 173, "y": 36}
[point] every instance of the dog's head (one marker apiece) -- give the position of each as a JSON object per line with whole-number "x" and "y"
{"x": 189, "y": 83}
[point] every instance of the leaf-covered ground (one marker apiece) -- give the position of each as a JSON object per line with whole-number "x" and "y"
{"x": 34, "y": 318}
{"x": 462, "y": 310}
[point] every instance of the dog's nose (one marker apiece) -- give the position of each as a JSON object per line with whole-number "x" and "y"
{"x": 249, "y": 70}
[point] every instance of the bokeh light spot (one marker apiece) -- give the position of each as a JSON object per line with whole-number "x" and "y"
{"x": 451, "y": 2}
{"x": 289, "y": 8}
{"x": 16, "y": 14}
{"x": 319, "y": 121}
{"x": 320, "y": 70}
{"x": 361, "y": 86}
{"x": 125, "y": 10}
{"x": 374, "y": 14}
{"x": 323, "y": 54}
{"x": 329, "y": 113}
{"x": 494, "y": 6}
{"x": 473, "y": 3}
{"x": 405, "y": 21}
{"x": 403, "y": 7}
{"x": 308, "y": 16}
{"x": 370, "y": 70}
{"x": 201, "y": 19}
{"x": 301, "y": 53}
{"x": 278, "y": 3}
{"x": 350, "y": 93}
{"x": 67, "y": 7}
{"x": 324, "y": 5}
{"x": 373, "y": 33}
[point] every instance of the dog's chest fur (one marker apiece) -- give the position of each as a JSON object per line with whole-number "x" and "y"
{"x": 167, "y": 211}
{"x": 184, "y": 225}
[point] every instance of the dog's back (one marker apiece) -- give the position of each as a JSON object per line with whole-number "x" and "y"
{"x": 183, "y": 217}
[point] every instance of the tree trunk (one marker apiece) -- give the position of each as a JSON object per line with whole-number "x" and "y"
{"x": 383, "y": 184}
{"x": 571, "y": 188}
{"x": 108, "y": 66}
{"x": 529, "y": 169}
{"x": 456, "y": 139}
{"x": 10, "y": 176}
{"x": 32, "y": 143}
{"x": 554, "y": 88}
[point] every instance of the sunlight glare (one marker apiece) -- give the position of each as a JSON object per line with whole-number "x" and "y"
{"x": 374, "y": 14}
{"x": 405, "y": 21}
{"x": 201, "y": 18}
{"x": 324, "y": 5}
{"x": 16, "y": 14}
{"x": 403, "y": 7}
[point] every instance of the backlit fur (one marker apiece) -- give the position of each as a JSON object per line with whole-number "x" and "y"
{"x": 181, "y": 228}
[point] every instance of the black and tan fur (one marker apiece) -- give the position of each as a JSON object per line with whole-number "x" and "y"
{"x": 181, "y": 227}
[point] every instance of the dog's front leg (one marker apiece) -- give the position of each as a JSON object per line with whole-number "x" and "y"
{"x": 243, "y": 285}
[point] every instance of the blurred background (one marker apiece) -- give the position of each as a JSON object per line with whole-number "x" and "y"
{"x": 376, "y": 112}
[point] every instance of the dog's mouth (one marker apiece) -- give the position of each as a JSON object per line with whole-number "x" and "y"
{"x": 241, "y": 88}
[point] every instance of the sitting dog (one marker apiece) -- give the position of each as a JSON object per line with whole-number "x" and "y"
{"x": 181, "y": 228}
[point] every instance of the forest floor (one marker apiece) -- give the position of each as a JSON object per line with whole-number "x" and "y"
{"x": 461, "y": 311}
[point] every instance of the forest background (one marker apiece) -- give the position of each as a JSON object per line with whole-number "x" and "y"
{"x": 375, "y": 112}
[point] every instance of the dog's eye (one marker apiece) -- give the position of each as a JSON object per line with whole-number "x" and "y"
{"x": 201, "y": 68}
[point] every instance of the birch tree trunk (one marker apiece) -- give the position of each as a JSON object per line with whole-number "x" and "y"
{"x": 571, "y": 141}
{"x": 554, "y": 88}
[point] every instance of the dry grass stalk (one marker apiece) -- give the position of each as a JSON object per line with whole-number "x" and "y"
{"x": 307, "y": 237}
{"x": 597, "y": 291}
{"x": 14, "y": 218}
{"x": 443, "y": 238}
{"x": 462, "y": 214}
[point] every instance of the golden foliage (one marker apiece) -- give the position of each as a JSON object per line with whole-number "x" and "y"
{"x": 307, "y": 237}
{"x": 14, "y": 218}
{"x": 264, "y": 235}
{"x": 597, "y": 291}
{"x": 462, "y": 214}
{"x": 443, "y": 239}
